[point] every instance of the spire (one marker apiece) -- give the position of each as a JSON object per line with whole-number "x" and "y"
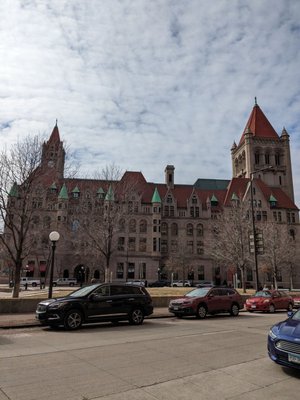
{"x": 156, "y": 197}
{"x": 63, "y": 194}
{"x": 54, "y": 135}
{"x": 110, "y": 194}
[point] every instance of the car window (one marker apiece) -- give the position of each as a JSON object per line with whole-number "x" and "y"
{"x": 200, "y": 292}
{"x": 263, "y": 293}
{"x": 296, "y": 316}
{"x": 116, "y": 290}
{"x": 215, "y": 292}
{"x": 102, "y": 291}
{"x": 84, "y": 291}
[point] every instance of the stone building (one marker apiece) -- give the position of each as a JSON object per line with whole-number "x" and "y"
{"x": 161, "y": 218}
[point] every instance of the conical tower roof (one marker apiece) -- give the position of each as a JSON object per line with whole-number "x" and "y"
{"x": 156, "y": 197}
{"x": 259, "y": 125}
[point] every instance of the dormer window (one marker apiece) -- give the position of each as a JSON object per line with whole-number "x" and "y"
{"x": 214, "y": 201}
{"x": 76, "y": 193}
{"x": 272, "y": 201}
{"x": 194, "y": 200}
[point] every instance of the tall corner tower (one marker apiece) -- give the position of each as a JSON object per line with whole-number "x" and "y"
{"x": 53, "y": 154}
{"x": 260, "y": 147}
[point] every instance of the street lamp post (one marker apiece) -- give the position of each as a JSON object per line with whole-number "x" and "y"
{"x": 253, "y": 222}
{"x": 54, "y": 237}
{"x": 158, "y": 274}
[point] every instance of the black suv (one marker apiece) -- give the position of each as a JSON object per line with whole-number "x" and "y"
{"x": 97, "y": 303}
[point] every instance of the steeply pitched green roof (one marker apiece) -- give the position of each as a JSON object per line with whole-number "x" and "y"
{"x": 100, "y": 191}
{"x": 110, "y": 194}
{"x": 76, "y": 190}
{"x": 213, "y": 199}
{"x": 14, "y": 190}
{"x": 234, "y": 197}
{"x": 63, "y": 194}
{"x": 156, "y": 197}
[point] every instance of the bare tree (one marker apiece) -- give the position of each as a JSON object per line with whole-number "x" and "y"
{"x": 179, "y": 261}
{"x": 279, "y": 250}
{"x": 231, "y": 239}
{"x": 19, "y": 176}
{"x": 114, "y": 206}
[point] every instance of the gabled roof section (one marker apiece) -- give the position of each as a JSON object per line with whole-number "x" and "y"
{"x": 54, "y": 138}
{"x": 259, "y": 125}
{"x": 76, "y": 190}
{"x": 53, "y": 186}
{"x": 156, "y": 197}
{"x": 63, "y": 194}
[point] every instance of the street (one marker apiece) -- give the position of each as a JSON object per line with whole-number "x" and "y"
{"x": 217, "y": 358}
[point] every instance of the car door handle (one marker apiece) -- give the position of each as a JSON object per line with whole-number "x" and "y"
{"x": 108, "y": 301}
{"x": 131, "y": 299}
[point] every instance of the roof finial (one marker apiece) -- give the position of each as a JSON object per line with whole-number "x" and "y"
{"x": 56, "y": 122}
{"x": 255, "y": 101}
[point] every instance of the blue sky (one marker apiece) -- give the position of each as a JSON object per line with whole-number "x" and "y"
{"x": 143, "y": 84}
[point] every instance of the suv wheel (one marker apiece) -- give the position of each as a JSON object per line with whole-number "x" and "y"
{"x": 136, "y": 317}
{"x": 73, "y": 320}
{"x": 234, "y": 311}
{"x": 201, "y": 311}
{"x": 33, "y": 284}
{"x": 71, "y": 284}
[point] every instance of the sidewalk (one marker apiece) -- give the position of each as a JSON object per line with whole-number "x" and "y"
{"x": 8, "y": 321}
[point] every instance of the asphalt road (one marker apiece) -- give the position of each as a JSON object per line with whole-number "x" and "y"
{"x": 220, "y": 357}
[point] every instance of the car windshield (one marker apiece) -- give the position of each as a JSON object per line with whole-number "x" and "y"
{"x": 84, "y": 291}
{"x": 263, "y": 293}
{"x": 200, "y": 292}
{"x": 296, "y": 316}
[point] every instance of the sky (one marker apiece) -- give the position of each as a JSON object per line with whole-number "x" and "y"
{"x": 147, "y": 83}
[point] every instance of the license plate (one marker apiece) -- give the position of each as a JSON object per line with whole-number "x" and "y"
{"x": 175, "y": 308}
{"x": 253, "y": 306}
{"x": 295, "y": 359}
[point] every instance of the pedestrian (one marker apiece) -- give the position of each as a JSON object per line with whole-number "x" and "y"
{"x": 26, "y": 285}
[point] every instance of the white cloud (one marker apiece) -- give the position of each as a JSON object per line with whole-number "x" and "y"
{"x": 144, "y": 84}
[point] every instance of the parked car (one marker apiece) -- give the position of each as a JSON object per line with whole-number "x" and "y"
{"x": 205, "y": 284}
{"x": 284, "y": 341}
{"x": 181, "y": 283}
{"x": 296, "y": 302}
{"x": 65, "y": 282}
{"x": 269, "y": 300}
{"x": 161, "y": 283}
{"x": 96, "y": 303}
{"x": 27, "y": 281}
{"x": 207, "y": 300}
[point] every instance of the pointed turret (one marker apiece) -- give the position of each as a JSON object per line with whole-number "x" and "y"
{"x": 63, "y": 194}
{"x": 54, "y": 138}
{"x": 156, "y": 197}
{"x": 110, "y": 194}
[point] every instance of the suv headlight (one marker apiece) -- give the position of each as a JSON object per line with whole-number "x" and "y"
{"x": 272, "y": 334}
{"x": 56, "y": 306}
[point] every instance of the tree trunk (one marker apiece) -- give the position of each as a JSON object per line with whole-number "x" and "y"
{"x": 16, "y": 289}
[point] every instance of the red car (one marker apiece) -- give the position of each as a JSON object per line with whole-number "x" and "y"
{"x": 270, "y": 301}
{"x": 207, "y": 300}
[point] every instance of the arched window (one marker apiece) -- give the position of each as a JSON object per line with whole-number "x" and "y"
{"x": 199, "y": 230}
{"x": 189, "y": 229}
{"x": 174, "y": 229}
{"x": 143, "y": 226}
{"x": 47, "y": 222}
{"x": 292, "y": 233}
{"x": 132, "y": 226}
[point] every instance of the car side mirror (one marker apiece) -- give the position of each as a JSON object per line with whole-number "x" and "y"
{"x": 94, "y": 297}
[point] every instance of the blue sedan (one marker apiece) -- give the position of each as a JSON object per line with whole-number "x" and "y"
{"x": 284, "y": 341}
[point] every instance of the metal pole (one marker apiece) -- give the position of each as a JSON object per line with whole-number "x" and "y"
{"x": 254, "y": 234}
{"x": 51, "y": 270}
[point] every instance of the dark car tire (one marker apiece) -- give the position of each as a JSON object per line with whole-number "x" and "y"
{"x": 290, "y": 307}
{"x": 234, "y": 311}
{"x": 34, "y": 284}
{"x": 73, "y": 320}
{"x": 201, "y": 311}
{"x": 54, "y": 284}
{"x": 71, "y": 284}
{"x": 136, "y": 317}
{"x": 271, "y": 308}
